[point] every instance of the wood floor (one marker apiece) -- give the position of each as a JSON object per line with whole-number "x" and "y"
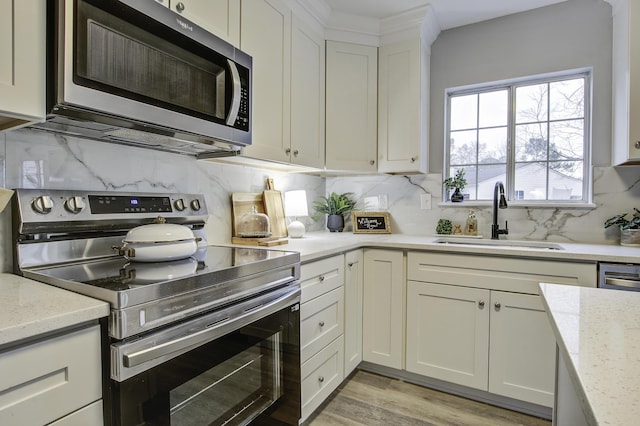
{"x": 369, "y": 399}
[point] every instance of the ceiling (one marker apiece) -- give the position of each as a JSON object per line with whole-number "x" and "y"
{"x": 449, "y": 13}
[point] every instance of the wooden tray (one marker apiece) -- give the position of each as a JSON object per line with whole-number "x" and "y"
{"x": 267, "y": 242}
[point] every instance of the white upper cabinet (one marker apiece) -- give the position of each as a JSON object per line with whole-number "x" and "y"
{"x": 403, "y": 99}
{"x": 352, "y": 98}
{"x": 22, "y": 68}
{"x": 307, "y": 95}
{"x": 220, "y": 17}
{"x": 265, "y": 34}
{"x": 626, "y": 82}
{"x": 288, "y": 84}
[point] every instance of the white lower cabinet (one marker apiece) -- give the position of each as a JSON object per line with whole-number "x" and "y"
{"x": 321, "y": 330}
{"x": 521, "y": 349}
{"x": 58, "y": 379}
{"x": 383, "y": 308}
{"x": 353, "y": 292}
{"x": 478, "y": 321}
{"x": 448, "y": 333}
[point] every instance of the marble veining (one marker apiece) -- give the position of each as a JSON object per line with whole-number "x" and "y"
{"x": 598, "y": 333}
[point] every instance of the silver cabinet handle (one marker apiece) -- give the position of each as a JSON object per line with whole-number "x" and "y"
{"x": 481, "y": 304}
{"x": 180, "y": 7}
{"x": 637, "y": 145}
{"x": 497, "y": 306}
{"x": 321, "y": 379}
{"x": 413, "y": 159}
{"x": 287, "y": 151}
{"x": 321, "y": 277}
{"x": 372, "y": 162}
{"x": 350, "y": 264}
{"x": 295, "y": 152}
{"x": 321, "y": 323}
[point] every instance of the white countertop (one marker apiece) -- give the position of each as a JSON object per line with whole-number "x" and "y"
{"x": 321, "y": 244}
{"x": 29, "y": 308}
{"x": 598, "y": 335}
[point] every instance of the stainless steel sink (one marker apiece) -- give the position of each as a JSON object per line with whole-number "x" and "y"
{"x": 481, "y": 242}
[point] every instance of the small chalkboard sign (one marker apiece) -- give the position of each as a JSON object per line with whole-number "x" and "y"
{"x": 371, "y": 223}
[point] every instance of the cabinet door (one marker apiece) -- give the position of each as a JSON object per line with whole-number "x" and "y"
{"x": 307, "y": 95}
{"x": 626, "y": 82}
{"x": 403, "y": 107}
{"x": 265, "y": 34}
{"x": 353, "y": 287}
{"x": 448, "y": 333}
{"x": 220, "y": 17}
{"x": 383, "y": 308}
{"x": 352, "y": 86}
{"x": 22, "y": 68}
{"x": 523, "y": 349}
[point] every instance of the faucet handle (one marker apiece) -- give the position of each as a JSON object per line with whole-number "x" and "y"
{"x": 506, "y": 227}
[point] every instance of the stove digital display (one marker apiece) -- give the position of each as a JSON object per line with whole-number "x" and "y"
{"x": 105, "y": 204}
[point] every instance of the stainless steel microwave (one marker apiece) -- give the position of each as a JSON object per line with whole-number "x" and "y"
{"x": 137, "y": 73}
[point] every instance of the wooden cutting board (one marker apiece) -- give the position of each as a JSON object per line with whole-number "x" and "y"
{"x": 274, "y": 208}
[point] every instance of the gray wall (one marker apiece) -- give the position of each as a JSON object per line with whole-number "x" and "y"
{"x": 568, "y": 35}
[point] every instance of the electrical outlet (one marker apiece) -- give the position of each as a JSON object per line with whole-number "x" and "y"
{"x": 383, "y": 202}
{"x": 425, "y": 201}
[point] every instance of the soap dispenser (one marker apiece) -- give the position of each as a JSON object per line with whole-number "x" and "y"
{"x": 471, "y": 227}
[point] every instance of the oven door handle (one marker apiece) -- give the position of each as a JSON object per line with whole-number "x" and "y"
{"x": 251, "y": 311}
{"x": 621, "y": 282}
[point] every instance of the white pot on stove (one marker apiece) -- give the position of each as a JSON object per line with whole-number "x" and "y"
{"x": 158, "y": 242}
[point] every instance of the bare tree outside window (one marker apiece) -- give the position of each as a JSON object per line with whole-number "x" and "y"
{"x": 530, "y": 135}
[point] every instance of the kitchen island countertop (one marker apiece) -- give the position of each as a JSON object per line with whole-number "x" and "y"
{"x": 29, "y": 308}
{"x": 598, "y": 336}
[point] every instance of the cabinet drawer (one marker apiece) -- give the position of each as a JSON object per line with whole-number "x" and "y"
{"x": 319, "y": 277}
{"x": 91, "y": 415}
{"x": 321, "y": 375}
{"x": 495, "y": 272}
{"x": 45, "y": 381}
{"x": 321, "y": 321}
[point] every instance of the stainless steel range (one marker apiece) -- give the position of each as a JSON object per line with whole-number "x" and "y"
{"x": 209, "y": 338}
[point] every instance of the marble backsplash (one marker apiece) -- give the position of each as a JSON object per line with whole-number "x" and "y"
{"x": 616, "y": 190}
{"x": 34, "y": 159}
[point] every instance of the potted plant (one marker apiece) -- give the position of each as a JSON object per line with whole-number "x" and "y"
{"x": 629, "y": 228}
{"x": 456, "y": 183}
{"x": 334, "y": 206}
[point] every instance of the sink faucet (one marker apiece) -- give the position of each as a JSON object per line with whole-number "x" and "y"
{"x": 498, "y": 189}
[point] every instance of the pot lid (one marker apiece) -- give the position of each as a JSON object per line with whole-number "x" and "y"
{"x": 159, "y": 233}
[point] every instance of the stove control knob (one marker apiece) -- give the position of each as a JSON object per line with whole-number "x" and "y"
{"x": 42, "y": 204}
{"x": 74, "y": 204}
{"x": 179, "y": 204}
{"x": 195, "y": 204}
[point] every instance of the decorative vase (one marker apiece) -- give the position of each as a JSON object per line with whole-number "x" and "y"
{"x": 457, "y": 196}
{"x": 630, "y": 237}
{"x": 335, "y": 222}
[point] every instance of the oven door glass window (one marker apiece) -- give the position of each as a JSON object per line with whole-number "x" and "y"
{"x": 232, "y": 392}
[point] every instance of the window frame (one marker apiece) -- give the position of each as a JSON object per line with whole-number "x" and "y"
{"x": 510, "y": 85}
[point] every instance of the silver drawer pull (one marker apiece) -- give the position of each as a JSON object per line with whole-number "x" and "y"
{"x": 321, "y": 277}
{"x": 481, "y": 304}
{"x": 498, "y": 306}
{"x": 321, "y": 323}
{"x": 321, "y": 379}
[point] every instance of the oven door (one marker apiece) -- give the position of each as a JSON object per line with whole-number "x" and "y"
{"x": 235, "y": 366}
